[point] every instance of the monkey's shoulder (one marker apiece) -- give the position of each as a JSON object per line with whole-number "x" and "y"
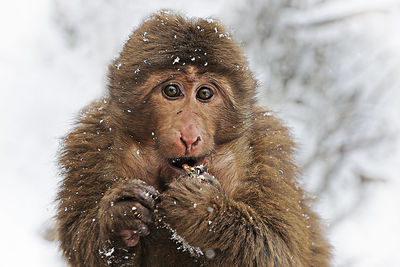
{"x": 92, "y": 129}
{"x": 88, "y": 143}
{"x": 269, "y": 133}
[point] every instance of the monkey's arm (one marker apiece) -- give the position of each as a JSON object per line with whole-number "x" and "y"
{"x": 95, "y": 205}
{"x": 262, "y": 223}
{"x": 107, "y": 233}
{"x": 232, "y": 229}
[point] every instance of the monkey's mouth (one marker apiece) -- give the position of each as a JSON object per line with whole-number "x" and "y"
{"x": 178, "y": 163}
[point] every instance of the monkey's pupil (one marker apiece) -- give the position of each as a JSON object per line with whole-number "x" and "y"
{"x": 204, "y": 93}
{"x": 172, "y": 91}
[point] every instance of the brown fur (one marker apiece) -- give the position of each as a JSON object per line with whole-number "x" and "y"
{"x": 255, "y": 216}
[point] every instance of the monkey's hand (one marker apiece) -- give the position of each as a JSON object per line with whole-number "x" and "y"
{"x": 189, "y": 205}
{"x": 125, "y": 210}
{"x": 228, "y": 231}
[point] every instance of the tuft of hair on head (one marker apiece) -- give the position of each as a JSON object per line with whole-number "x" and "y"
{"x": 167, "y": 40}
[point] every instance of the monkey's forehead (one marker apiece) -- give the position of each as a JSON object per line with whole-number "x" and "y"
{"x": 169, "y": 41}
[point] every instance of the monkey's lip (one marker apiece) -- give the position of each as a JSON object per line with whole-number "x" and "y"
{"x": 177, "y": 163}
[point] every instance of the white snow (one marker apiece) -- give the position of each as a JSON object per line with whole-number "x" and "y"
{"x": 176, "y": 60}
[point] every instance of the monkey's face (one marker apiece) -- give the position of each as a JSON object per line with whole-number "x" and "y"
{"x": 185, "y": 111}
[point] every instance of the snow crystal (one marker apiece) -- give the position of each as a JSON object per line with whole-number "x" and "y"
{"x": 137, "y": 152}
{"x": 205, "y": 64}
{"x": 110, "y": 252}
{"x": 144, "y": 37}
{"x": 194, "y": 251}
{"x": 176, "y": 60}
{"x": 210, "y": 254}
{"x": 194, "y": 205}
{"x": 209, "y": 209}
{"x": 118, "y": 65}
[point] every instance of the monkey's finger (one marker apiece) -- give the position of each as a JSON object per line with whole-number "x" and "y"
{"x": 129, "y": 237}
{"x": 127, "y": 212}
{"x": 144, "y": 197}
{"x": 136, "y": 193}
{"x": 141, "y": 212}
{"x": 146, "y": 187}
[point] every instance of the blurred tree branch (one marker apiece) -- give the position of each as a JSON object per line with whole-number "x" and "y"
{"x": 325, "y": 73}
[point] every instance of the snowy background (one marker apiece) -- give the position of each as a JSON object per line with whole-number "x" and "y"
{"x": 331, "y": 69}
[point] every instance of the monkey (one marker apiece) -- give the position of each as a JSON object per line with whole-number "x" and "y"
{"x": 180, "y": 96}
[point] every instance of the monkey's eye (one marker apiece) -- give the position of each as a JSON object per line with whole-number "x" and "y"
{"x": 204, "y": 94}
{"x": 172, "y": 91}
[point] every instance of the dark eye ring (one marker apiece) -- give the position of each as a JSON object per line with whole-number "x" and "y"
{"x": 204, "y": 94}
{"x": 172, "y": 91}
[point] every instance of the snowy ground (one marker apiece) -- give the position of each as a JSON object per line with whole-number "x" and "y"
{"x": 44, "y": 84}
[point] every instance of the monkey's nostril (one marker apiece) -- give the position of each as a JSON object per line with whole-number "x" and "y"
{"x": 198, "y": 139}
{"x": 184, "y": 143}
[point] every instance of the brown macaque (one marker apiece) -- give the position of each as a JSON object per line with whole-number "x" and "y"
{"x": 178, "y": 166}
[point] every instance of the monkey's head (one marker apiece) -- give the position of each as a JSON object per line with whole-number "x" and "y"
{"x": 182, "y": 87}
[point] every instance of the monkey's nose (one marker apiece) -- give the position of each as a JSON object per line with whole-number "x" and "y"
{"x": 190, "y": 138}
{"x": 190, "y": 143}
